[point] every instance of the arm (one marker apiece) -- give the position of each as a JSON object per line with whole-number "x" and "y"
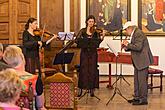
{"x": 137, "y": 45}
{"x": 80, "y": 40}
{"x": 28, "y": 43}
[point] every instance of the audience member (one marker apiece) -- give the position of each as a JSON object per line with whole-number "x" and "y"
{"x": 10, "y": 89}
{"x": 14, "y": 57}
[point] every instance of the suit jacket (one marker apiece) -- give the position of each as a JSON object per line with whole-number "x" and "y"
{"x": 140, "y": 50}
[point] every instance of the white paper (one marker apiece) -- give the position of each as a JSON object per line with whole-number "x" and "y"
{"x": 66, "y": 35}
{"x": 113, "y": 50}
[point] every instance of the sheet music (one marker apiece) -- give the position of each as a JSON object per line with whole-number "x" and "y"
{"x": 66, "y": 35}
{"x": 112, "y": 49}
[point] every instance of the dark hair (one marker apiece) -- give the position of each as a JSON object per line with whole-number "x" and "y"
{"x": 30, "y": 20}
{"x": 89, "y": 17}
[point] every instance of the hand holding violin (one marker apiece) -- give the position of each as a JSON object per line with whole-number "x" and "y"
{"x": 54, "y": 37}
{"x": 40, "y": 44}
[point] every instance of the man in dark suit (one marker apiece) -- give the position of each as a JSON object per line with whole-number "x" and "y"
{"x": 141, "y": 58}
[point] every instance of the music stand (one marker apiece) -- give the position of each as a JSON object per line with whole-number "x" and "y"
{"x": 120, "y": 76}
{"x": 63, "y": 58}
{"x": 116, "y": 89}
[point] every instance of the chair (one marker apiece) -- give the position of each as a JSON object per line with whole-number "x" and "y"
{"x": 60, "y": 92}
{"x": 26, "y": 98}
{"x": 155, "y": 72}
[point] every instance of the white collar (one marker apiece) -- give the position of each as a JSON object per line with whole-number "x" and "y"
{"x": 132, "y": 32}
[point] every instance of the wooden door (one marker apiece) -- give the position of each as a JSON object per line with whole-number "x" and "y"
{"x": 52, "y": 16}
{"x": 13, "y": 16}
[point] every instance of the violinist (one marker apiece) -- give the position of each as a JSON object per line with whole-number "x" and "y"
{"x": 31, "y": 45}
{"x": 88, "y": 39}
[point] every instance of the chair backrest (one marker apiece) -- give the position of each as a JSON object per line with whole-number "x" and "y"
{"x": 60, "y": 92}
{"x": 26, "y": 98}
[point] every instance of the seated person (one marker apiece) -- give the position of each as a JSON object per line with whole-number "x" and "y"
{"x": 10, "y": 89}
{"x": 3, "y": 65}
{"x": 14, "y": 57}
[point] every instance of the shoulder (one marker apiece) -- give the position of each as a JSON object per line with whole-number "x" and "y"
{"x": 25, "y": 32}
{"x": 83, "y": 30}
{"x": 28, "y": 77}
{"x": 139, "y": 32}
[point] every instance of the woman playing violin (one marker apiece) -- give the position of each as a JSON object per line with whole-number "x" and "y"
{"x": 31, "y": 45}
{"x": 88, "y": 39}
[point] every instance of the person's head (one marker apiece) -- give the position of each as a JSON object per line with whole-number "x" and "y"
{"x": 90, "y": 21}
{"x": 129, "y": 27}
{"x": 31, "y": 23}
{"x": 13, "y": 56}
{"x": 10, "y": 86}
{"x": 1, "y": 51}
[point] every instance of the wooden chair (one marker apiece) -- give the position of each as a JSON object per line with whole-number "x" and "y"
{"x": 155, "y": 72}
{"x": 26, "y": 98}
{"x": 60, "y": 92}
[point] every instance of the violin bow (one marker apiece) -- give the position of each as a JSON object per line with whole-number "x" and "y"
{"x": 43, "y": 32}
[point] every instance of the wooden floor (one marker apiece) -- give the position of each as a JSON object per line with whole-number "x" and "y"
{"x": 156, "y": 99}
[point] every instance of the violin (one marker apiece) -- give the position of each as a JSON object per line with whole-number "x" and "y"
{"x": 98, "y": 30}
{"x": 40, "y": 32}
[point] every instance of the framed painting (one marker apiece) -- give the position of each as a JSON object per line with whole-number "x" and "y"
{"x": 152, "y": 17}
{"x": 110, "y": 14}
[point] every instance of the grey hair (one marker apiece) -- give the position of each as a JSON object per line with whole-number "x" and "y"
{"x": 13, "y": 56}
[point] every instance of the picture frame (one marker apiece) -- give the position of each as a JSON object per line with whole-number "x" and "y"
{"x": 110, "y": 14}
{"x": 151, "y": 17}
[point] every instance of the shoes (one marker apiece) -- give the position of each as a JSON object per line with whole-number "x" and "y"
{"x": 133, "y": 100}
{"x": 139, "y": 103}
{"x": 79, "y": 93}
{"x": 92, "y": 93}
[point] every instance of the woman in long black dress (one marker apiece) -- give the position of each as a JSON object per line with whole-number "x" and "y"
{"x": 31, "y": 45}
{"x": 88, "y": 40}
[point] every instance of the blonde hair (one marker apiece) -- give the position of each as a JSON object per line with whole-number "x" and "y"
{"x": 13, "y": 56}
{"x": 10, "y": 85}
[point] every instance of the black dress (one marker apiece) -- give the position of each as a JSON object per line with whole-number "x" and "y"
{"x": 31, "y": 52}
{"x": 89, "y": 74}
